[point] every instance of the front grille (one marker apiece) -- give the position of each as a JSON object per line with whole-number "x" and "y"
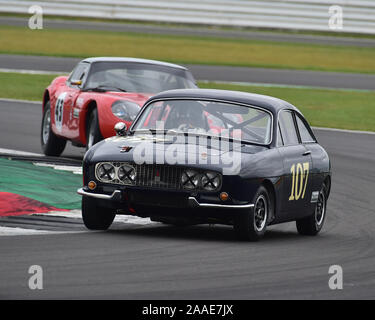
{"x": 158, "y": 176}
{"x": 146, "y": 175}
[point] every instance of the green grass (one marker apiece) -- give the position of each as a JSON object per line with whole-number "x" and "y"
{"x": 186, "y": 49}
{"x": 23, "y": 86}
{"x": 322, "y": 107}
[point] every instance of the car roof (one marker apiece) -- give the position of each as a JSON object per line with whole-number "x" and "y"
{"x": 132, "y": 60}
{"x": 270, "y": 103}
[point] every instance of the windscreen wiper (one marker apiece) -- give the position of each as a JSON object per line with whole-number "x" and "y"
{"x": 101, "y": 88}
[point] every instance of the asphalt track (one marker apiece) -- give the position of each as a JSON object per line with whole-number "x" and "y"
{"x": 215, "y": 73}
{"x": 161, "y": 262}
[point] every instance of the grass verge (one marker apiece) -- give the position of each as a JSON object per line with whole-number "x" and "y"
{"x": 343, "y": 109}
{"x": 187, "y": 49}
{"x": 23, "y": 86}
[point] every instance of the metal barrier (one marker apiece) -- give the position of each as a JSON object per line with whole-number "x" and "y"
{"x": 358, "y": 15}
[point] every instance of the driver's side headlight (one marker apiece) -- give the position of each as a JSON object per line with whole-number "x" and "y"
{"x": 211, "y": 181}
{"x": 125, "y": 110}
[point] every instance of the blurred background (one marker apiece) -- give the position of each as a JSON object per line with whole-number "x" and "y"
{"x": 317, "y": 54}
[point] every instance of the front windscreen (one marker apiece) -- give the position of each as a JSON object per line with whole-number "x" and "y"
{"x": 138, "y": 77}
{"x": 210, "y": 118}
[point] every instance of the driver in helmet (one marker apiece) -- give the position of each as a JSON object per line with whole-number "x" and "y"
{"x": 188, "y": 115}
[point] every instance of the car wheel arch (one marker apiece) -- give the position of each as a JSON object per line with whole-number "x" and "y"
{"x": 88, "y": 109}
{"x": 272, "y": 195}
{"x": 46, "y": 98}
{"x": 327, "y": 183}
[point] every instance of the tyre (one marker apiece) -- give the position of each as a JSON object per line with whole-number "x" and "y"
{"x": 93, "y": 134}
{"x": 251, "y": 225}
{"x": 312, "y": 224}
{"x": 52, "y": 145}
{"x": 94, "y": 217}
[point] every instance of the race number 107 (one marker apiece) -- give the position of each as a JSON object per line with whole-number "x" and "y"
{"x": 300, "y": 175}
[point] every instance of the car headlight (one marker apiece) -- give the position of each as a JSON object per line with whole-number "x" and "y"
{"x": 105, "y": 172}
{"x": 190, "y": 179}
{"x": 126, "y": 174}
{"x": 210, "y": 181}
{"x": 125, "y": 110}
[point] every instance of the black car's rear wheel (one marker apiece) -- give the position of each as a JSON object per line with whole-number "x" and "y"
{"x": 93, "y": 134}
{"x": 312, "y": 224}
{"x": 52, "y": 145}
{"x": 251, "y": 225}
{"x": 95, "y": 217}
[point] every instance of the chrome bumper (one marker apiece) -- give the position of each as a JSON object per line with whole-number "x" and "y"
{"x": 116, "y": 195}
{"x": 193, "y": 202}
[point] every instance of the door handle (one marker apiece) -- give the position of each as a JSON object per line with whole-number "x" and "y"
{"x": 306, "y": 153}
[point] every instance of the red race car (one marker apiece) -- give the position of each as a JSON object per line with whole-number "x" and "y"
{"x": 100, "y": 92}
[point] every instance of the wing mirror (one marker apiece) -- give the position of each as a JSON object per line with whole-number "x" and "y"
{"x": 120, "y": 129}
{"x": 76, "y": 82}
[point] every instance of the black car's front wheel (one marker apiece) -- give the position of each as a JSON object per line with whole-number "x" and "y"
{"x": 251, "y": 225}
{"x": 52, "y": 145}
{"x": 312, "y": 224}
{"x": 95, "y": 217}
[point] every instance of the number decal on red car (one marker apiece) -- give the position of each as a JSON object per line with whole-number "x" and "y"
{"x": 59, "y": 111}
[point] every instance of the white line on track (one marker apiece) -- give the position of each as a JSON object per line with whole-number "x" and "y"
{"x": 24, "y": 71}
{"x": 280, "y": 85}
{"x": 19, "y": 153}
{"x": 73, "y": 169}
{"x": 76, "y": 214}
{"x": 21, "y": 101}
{"x": 344, "y": 130}
{"x": 12, "y": 231}
{"x": 73, "y": 214}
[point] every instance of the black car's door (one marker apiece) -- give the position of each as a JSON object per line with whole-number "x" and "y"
{"x": 297, "y": 163}
{"x": 320, "y": 161}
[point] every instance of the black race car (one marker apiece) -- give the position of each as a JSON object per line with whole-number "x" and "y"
{"x": 210, "y": 156}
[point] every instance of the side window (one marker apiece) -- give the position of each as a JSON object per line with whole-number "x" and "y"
{"x": 280, "y": 141}
{"x": 288, "y": 129}
{"x": 304, "y": 131}
{"x": 80, "y": 72}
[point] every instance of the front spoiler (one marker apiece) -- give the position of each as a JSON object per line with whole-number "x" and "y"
{"x": 193, "y": 202}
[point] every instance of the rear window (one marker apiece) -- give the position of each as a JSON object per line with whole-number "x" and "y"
{"x": 288, "y": 129}
{"x": 304, "y": 131}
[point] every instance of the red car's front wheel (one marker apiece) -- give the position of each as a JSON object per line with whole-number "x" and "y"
{"x": 52, "y": 145}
